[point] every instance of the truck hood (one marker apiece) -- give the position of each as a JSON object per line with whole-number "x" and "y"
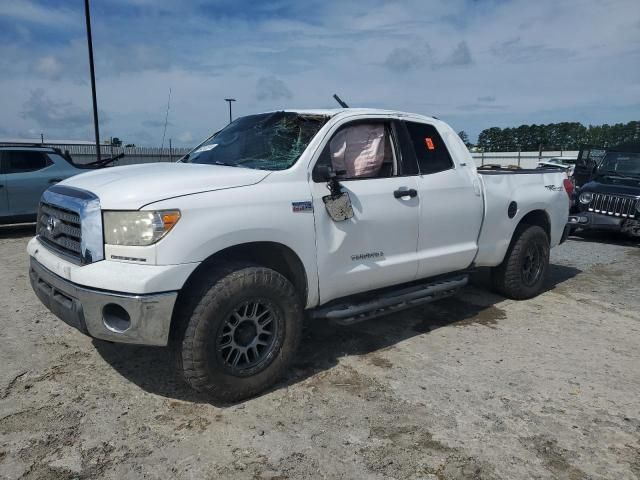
{"x": 134, "y": 186}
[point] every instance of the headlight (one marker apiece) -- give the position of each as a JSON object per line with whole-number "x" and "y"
{"x": 586, "y": 197}
{"x": 138, "y": 228}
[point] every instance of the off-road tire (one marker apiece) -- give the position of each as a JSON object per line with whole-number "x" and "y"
{"x": 507, "y": 278}
{"x": 204, "y": 311}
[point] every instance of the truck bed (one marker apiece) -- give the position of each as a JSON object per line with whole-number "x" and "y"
{"x": 532, "y": 190}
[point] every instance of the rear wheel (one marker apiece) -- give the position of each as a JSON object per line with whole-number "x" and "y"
{"x": 241, "y": 333}
{"x": 522, "y": 273}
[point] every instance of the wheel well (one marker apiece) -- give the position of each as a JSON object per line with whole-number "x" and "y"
{"x": 539, "y": 218}
{"x": 267, "y": 254}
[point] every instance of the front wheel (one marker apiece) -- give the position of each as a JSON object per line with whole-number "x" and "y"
{"x": 242, "y": 332}
{"x": 522, "y": 273}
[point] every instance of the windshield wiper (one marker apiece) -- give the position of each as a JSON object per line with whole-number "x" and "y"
{"x": 225, "y": 164}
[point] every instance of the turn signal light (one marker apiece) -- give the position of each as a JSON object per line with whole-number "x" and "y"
{"x": 170, "y": 219}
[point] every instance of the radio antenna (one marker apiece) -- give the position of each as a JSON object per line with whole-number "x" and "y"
{"x": 339, "y": 100}
{"x": 166, "y": 120}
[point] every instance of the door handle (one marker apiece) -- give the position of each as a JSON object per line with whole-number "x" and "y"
{"x": 405, "y": 193}
{"x": 55, "y": 180}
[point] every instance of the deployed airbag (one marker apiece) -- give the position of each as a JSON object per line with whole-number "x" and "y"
{"x": 358, "y": 150}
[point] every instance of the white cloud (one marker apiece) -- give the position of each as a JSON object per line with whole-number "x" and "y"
{"x": 459, "y": 57}
{"x": 48, "y": 113}
{"x": 49, "y": 67}
{"x": 185, "y": 137}
{"x": 31, "y": 12}
{"x": 401, "y": 59}
{"x": 453, "y": 59}
{"x": 272, "y": 88}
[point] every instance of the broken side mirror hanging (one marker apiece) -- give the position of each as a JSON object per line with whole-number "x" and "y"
{"x": 338, "y": 203}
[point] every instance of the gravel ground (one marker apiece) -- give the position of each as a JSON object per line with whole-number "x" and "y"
{"x": 470, "y": 387}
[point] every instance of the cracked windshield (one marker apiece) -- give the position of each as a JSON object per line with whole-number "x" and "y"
{"x": 270, "y": 141}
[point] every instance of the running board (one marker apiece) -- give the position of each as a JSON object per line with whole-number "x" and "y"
{"x": 389, "y": 302}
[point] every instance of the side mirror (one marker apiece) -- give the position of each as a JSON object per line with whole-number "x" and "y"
{"x": 338, "y": 206}
{"x": 324, "y": 173}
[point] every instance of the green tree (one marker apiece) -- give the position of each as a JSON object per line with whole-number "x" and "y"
{"x": 465, "y": 138}
{"x": 489, "y": 139}
{"x": 556, "y": 136}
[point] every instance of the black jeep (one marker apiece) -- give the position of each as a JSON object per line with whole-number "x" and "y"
{"x": 611, "y": 199}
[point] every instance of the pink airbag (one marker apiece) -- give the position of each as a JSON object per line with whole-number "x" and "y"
{"x": 359, "y": 150}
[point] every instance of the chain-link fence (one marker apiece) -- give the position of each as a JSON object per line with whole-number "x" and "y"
{"x": 84, "y": 153}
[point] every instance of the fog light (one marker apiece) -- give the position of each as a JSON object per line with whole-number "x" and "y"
{"x": 116, "y": 318}
{"x": 584, "y": 219}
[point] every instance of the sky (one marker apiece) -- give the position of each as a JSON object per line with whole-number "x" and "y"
{"x": 473, "y": 63}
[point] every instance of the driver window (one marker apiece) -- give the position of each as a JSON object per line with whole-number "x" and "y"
{"x": 362, "y": 150}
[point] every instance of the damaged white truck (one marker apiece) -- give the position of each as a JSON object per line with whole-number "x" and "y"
{"x": 339, "y": 215}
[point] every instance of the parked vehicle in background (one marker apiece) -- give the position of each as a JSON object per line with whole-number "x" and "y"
{"x": 340, "y": 215}
{"x": 566, "y": 164}
{"x": 26, "y": 172}
{"x": 589, "y": 158}
{"x": 611, "y": 200}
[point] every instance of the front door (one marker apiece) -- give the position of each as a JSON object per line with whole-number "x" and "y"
{"x": 377, "y": 247}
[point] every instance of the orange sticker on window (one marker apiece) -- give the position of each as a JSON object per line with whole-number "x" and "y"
{"x": 429, "y": 143}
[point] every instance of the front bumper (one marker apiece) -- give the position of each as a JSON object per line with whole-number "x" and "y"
{"x": 117, "y": 317}
{"x": 596, "y": 221}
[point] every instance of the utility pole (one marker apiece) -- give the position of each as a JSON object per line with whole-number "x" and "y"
{"x": 229, "y": 100}
{"x": 87, "y": 16}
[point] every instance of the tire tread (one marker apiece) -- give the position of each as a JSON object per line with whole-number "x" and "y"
{"x": 210, "y": 290}
{"x": 506, "y": 278}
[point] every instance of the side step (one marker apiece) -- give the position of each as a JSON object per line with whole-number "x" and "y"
{"x": 347, "y": 313}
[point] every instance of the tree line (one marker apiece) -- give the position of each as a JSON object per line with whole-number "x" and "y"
{"x": 554, "y": 136}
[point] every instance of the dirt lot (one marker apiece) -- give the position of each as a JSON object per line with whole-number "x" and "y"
{"x": 471, "y": 387}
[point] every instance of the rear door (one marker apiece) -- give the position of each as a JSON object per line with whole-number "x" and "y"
{"x": 451, "y": 205}
{"x": 377, "y": 247}
{"x": 28, "y": 174}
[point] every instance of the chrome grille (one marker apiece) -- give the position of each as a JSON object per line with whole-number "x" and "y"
{"x": 60, "y": 229}
{"x": 614, "y": 205}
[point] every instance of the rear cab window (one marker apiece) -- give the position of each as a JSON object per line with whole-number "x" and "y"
{"x": 430, "y": 150}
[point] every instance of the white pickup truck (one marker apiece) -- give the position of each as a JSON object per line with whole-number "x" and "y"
{"x": 340, "y": 215}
